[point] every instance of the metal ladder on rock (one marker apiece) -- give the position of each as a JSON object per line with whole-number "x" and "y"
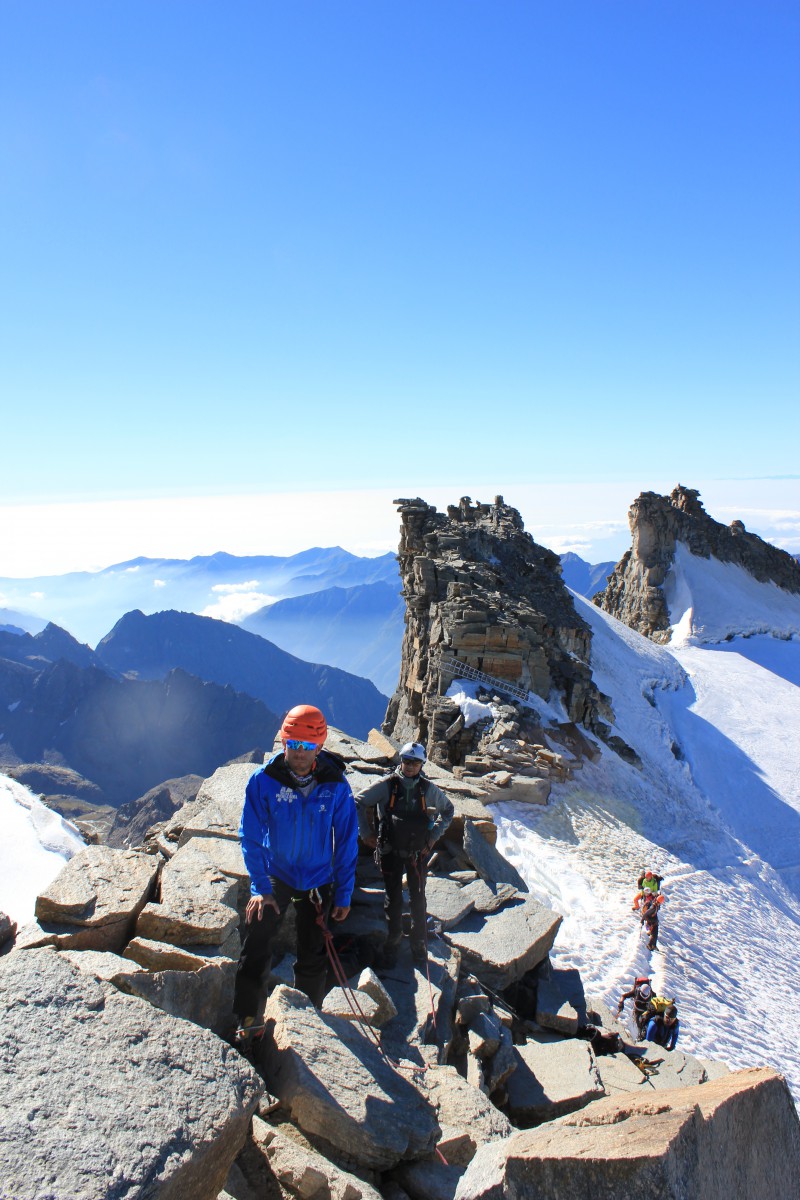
{"x": 460, "y": 670}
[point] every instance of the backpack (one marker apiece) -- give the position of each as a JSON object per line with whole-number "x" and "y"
{"x": 659, "y": 1005}
{"x": 405, "y": 833}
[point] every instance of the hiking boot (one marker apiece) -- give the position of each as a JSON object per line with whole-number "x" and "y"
{"x": 419, "y": 955}
{"x": 387, "y": 959}
{"x": 247, "y": 1039}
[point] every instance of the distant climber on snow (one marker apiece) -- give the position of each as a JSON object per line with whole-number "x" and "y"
{"x": 412, "y": 814}
{"x": 650, "y": 923}
{"x": 649, "y": 884}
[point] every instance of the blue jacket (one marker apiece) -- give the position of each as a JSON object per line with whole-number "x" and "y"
{"x": 662, "y": 1034}
{"x": 306, "y": 841}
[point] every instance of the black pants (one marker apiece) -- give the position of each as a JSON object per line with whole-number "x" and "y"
{"x": 311, "y": 965}
{"x": 393, "y": 868}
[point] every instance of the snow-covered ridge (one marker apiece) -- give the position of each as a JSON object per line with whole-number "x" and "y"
{"x": 715, "y": 808}
{"x": 35, "y": 844}
{"x": 713, "y": 601}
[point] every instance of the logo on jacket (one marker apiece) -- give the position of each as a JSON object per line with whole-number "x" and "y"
{"x": 285, "y": 794}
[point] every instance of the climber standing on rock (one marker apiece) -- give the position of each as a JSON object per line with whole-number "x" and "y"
{"x": 412, "y": 814}
{"x": 299, "y": 834}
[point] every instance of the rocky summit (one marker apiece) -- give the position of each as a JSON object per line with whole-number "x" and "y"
{"x": 635, "y": 590}
{"x": 485, "y": 602}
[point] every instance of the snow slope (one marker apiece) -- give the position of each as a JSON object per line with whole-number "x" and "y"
{"x": 36, "y": 843}
{"x": 715, "y": 808}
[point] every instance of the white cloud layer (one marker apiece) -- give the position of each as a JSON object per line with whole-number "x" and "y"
{"x": 590, "y": 518}
{"x": 236, "y": 605}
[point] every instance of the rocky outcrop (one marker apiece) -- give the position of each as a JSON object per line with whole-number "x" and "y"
{"x": 8, "y": 929}
{"x": 104, "y": 1096}
{"x": 132, "y": 822}
{"x": 635, "y": 589}
{"x": 484, "y": 601}
{"x": 339, "y": 1088}
{"x": 736, "y": 1136}
{"x": 302, "y": 1172}
{"x": 94, "y": 901}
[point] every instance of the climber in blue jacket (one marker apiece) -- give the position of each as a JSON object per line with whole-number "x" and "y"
{"x": 662, "y": 1028}
{"x": 299, "y": 835}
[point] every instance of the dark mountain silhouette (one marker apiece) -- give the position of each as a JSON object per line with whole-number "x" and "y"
{"x": 123, "y": 735}
{"x": 51, "y": 644}
{"x": 150, "y": 646}
{"x": 583, "y": 577}
{"x": 359, "y": 629}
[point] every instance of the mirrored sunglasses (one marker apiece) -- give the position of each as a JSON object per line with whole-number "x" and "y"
{"x": 296, "y": 744}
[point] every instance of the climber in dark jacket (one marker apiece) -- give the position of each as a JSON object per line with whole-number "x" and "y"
{"x": 640, "y": 993}
{"x": 412, "y": 814}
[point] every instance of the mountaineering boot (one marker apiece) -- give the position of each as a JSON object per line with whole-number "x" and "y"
{"x": 419, "y": 954}
{"x": 388, "y": 956}
{"x": 247, "y": 1039}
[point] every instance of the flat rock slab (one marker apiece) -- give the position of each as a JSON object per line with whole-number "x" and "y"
{"x": 489, "y": 862}
{"x": 560, "y": 1001}
{"x": 198, "y": 901}
{"x": 217, "y": 809}
{"x": 430, "y": 1180}
{"x": 356, "y": 1007}
{"x": 618, "y": 1073}
{"x": 369, "y": 983}
{"x": 419, "y": 995}
{"x": 526, "y": 789}
{"x": 446, "y": 901}
{"x": 102, "y": 890}
{"x": 500, "y": 947}
{"x": 204, "y": 997}
{"x": 302, "y": 1172}
{"x": 464, "y": 1110}
{"x": 163, "y": 956}
{"x": 352, "y": 749}
{"x": 674, "y": 1069}
{"x": 339, "y": 1089}
{"x": 112, "y": 968}
{"x": 107, "y": 1098}
{"x": 552, "y": 1078}
{"x": 488, "y": 897}
{"x": 736, "y": 1136}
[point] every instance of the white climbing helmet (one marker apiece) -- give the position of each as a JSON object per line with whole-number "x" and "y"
{"x": 414, "y": 751}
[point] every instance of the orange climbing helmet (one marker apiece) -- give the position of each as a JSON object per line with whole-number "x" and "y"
{"x": 305, "y": 723}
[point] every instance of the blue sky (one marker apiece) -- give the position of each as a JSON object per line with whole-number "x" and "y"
{"x": 273, "y": 247}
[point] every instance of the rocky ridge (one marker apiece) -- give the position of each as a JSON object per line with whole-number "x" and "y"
{"x": 485, "y": 603}
{"x": 475, "y": 1062}
{"x": 635, "y": 589}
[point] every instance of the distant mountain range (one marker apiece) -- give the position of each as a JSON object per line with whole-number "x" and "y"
{"x": 88, "y": 603}
{"x": 359, "y": 628}
{"x": 171, "y": 693}
{"x": 148, "y": 647}
{"x": 584, "y": 578}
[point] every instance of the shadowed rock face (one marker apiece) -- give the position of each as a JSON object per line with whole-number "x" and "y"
{"x": 481, "y": 593}
{"x": 635, "y": 590}
{"x": 736, "y": 1136}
